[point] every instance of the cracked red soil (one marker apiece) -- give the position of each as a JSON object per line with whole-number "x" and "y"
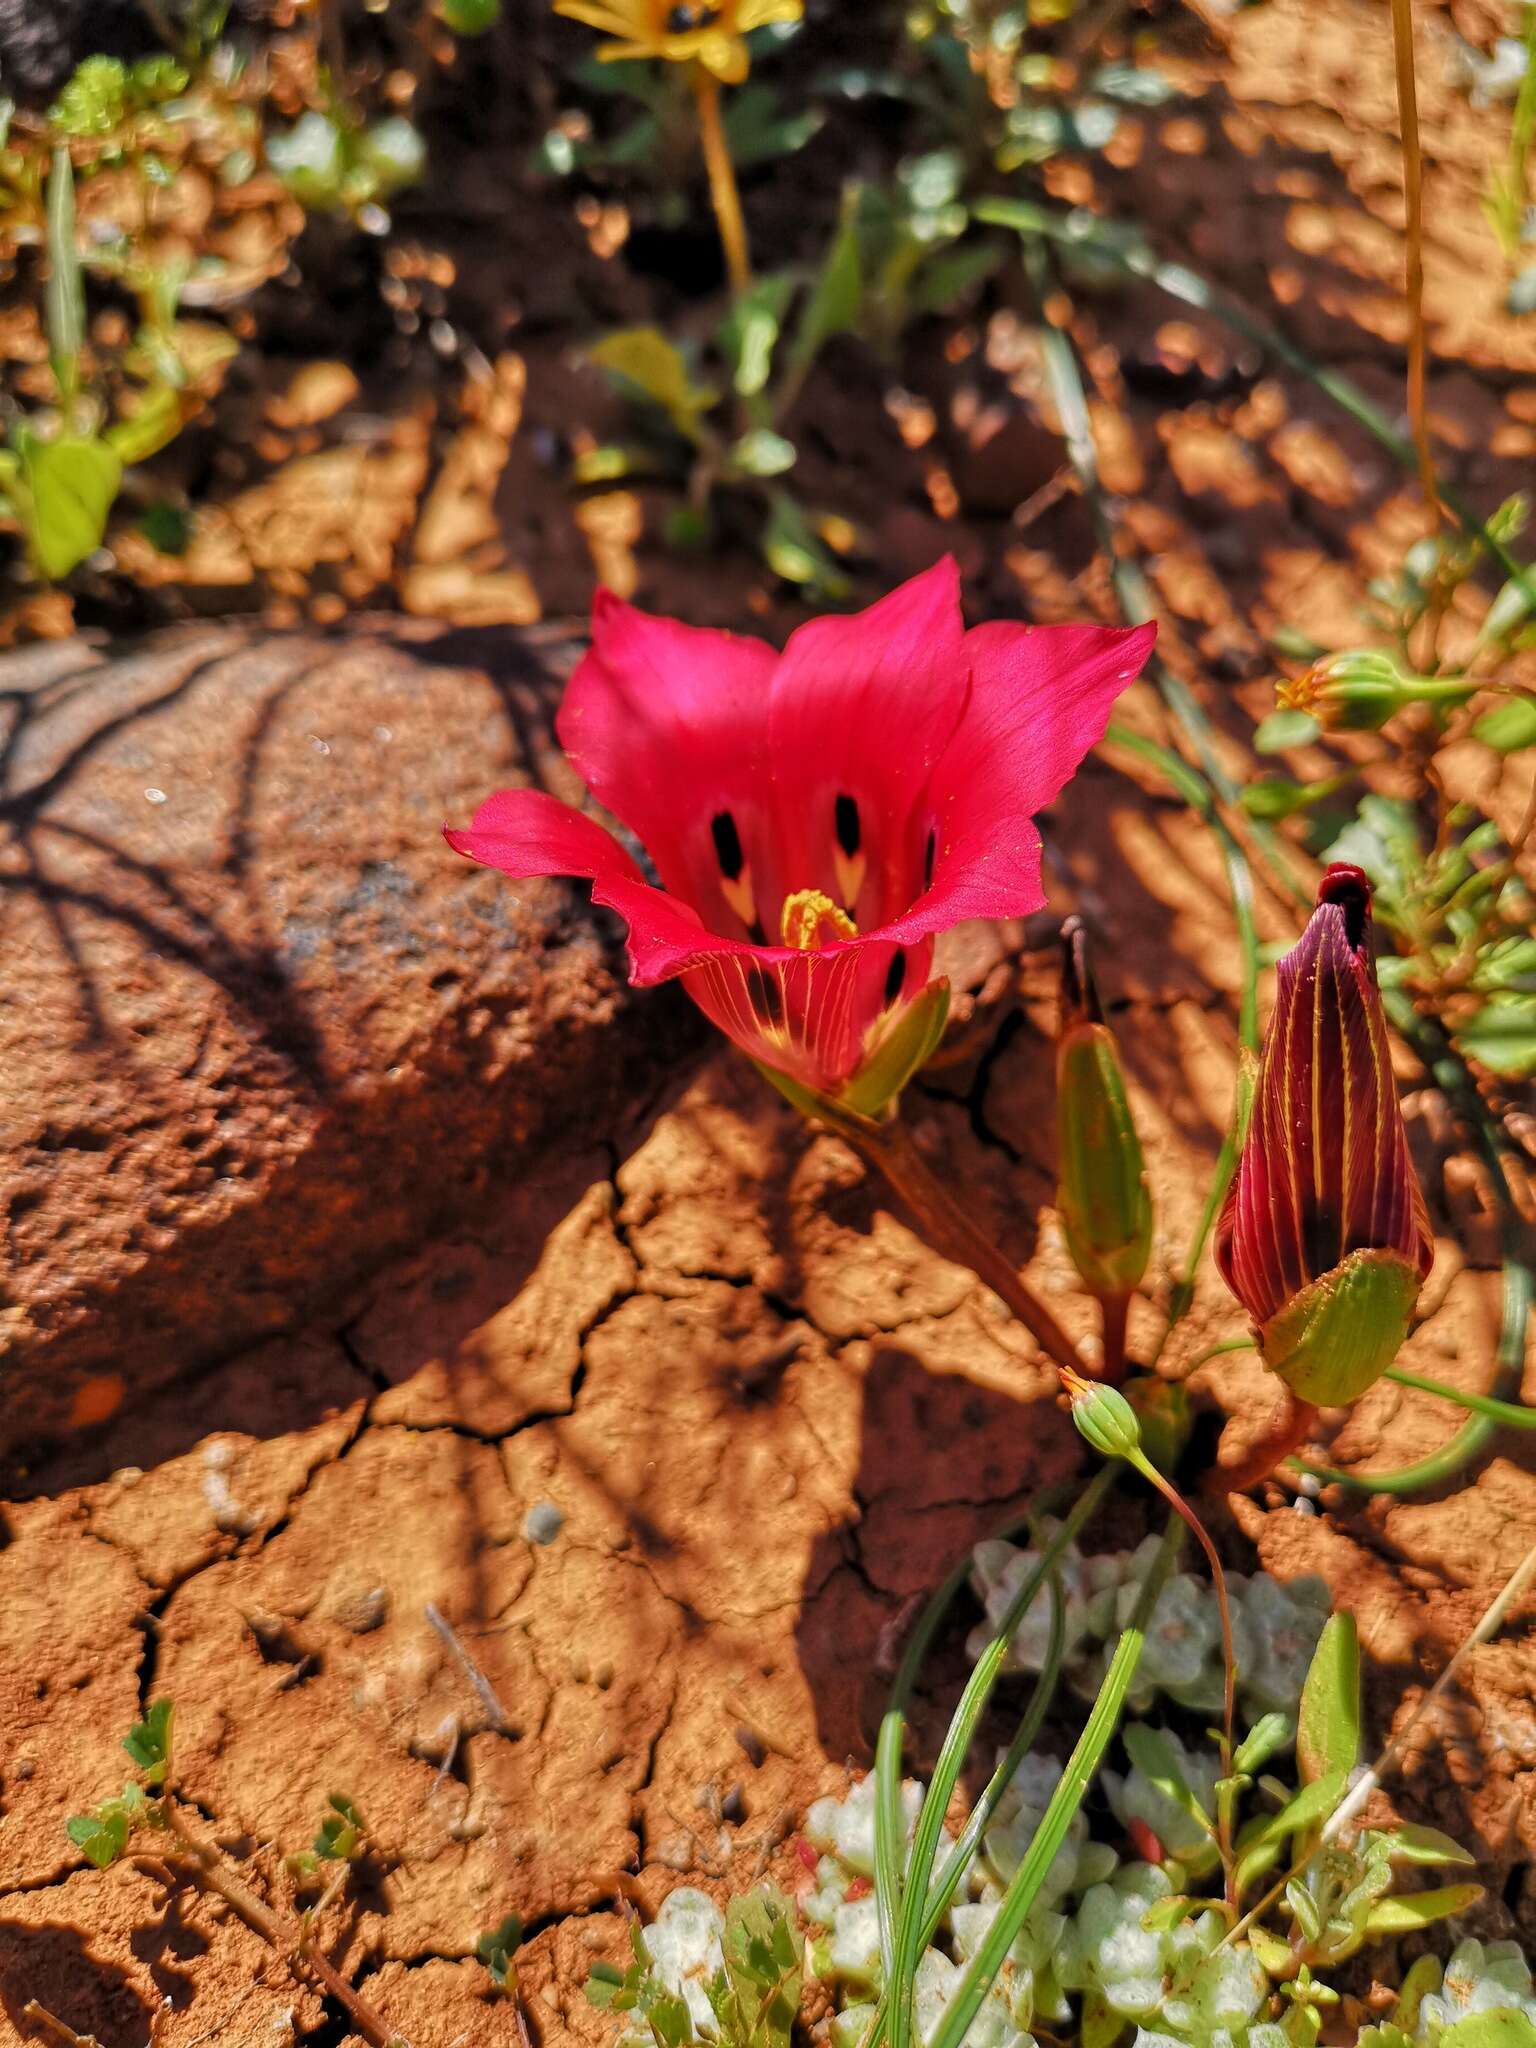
{"x": 576, "y": 1544}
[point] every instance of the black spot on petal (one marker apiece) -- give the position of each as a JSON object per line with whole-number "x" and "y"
{"x": 722, "y": 829}
{"x": 929, "y": 853}
{"x": 896, "y": 974}
{"x": 848, "y": 825}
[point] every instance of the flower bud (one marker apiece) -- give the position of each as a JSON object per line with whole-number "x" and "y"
{"x": 1360, "y": 690}
{"x": 1103, "y": 1417}
{"x": 1324, "y": 1236}
{"x": 1105, "y": 1204}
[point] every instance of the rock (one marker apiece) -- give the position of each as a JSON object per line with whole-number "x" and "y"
{"x": 264, "y": 1028}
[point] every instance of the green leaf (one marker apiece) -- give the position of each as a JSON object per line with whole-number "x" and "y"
{"x": 763, "y": 453}
{"x": 1274, "y": 1954}
{"x": 148, "y": 1742}
{"x": 749, "y": 332}
{"x": 469, "y": 17}
{"x": 1283, "y": 730}
{"x": 1502, "y": 1036}
{"x": 1169, "y": 1912}
{"x": 65, "y": 303}
{"x": 1266, "y": 1738}
{"x": 1383, "y": 838}
{"x": 1276, "y": 796}
{"x": 392, "y": 154}
{"x": 144, "y": 432}
{"x": 758, "y": 1995}
{"x": 102, "y": 1836}
{"x": 643, "y": 358}
{"x": 1328, "y": 1730}
{"x": 1510, "y": 727}
{"x": 833, "y": 304}
{"x": 1260, "y": 1840}
{"x": 1503, "y": 2027}
{"x": 496, "y": 1949}
{"x": 310, "y": 158}
{"x": 759, "y": 130}
{"x": 94, "y": 100}
{"x": 340, "y": 1839}
{"x": 946, "y": 279}
{"x": 792, "y": 550}
{"x": 1157, "y": 1760}
{"x": 1415, "y": 1844}
{"x": 1413, "y": 1910}
{"x": 72, "y": 484}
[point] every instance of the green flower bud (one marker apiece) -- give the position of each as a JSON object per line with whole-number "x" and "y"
{"x": 1358, "y": 691}
{"x": 1339, "y": 1335}
{"x": 1104, "y": 1418}
{"x": 1102, "y": 1193}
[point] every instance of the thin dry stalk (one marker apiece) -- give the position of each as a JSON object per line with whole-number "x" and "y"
{"x": 1413, "y": 199}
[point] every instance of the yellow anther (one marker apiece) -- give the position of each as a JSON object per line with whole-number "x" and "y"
{"x": 804, "y": 915}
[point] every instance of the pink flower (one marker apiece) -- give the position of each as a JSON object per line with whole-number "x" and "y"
{"x": 815, "y": 817}
{"x": 1325, "y": 1170}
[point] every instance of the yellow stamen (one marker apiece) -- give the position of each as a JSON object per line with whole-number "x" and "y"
{"x": 804, "y": 915}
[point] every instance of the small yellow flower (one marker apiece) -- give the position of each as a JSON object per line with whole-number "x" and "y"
{"x": 707, "y": 32}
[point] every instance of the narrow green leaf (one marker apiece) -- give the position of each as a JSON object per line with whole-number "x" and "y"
{"x": 1328, "y": 1731}
{"x": 644, "y": 358}
{"x": 1415, "y": 1844}
{"x": 833, "y": 304}
{"x": 1413, "y": 1910}
{"x": 65, "y": 298}
{"x": 1510, "y": 727}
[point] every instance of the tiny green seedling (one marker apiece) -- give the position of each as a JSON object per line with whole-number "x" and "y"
{"x": 496, "y": 1950}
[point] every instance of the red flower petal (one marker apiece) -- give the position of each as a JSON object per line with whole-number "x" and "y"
{"x": 1325, "y": 1170}
{"x": 1040, "y": 698}
{"x": 668, "y": 725}
{"x": 861, "y": 711}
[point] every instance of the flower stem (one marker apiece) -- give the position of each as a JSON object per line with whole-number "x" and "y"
{"x": 1113, "y": 1311}
{"x": 1413, "y": 200}
{"x": 1201, "y": 1534}
{"x": 724, "y": 197}
{"x": 947, "y": 1226}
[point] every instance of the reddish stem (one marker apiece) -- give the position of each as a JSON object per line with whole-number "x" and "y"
{"x": 950, "y": 1230}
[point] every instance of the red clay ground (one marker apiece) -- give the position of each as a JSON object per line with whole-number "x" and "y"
{"x": 764, "y": 1417}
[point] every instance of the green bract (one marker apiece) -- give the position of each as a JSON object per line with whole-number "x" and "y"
{"x": 1338, "y": 1336}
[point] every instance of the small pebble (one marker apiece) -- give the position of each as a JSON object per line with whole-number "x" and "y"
{"x": 154, "y": 796}
{"x": 1310, "y": 1485}
{"x": 543, "y": 1522}
{"x": 361, "y": 1609}
{"x": 1303, "y": 1506}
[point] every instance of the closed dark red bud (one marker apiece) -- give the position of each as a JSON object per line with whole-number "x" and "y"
{"x": 1325, "y": 1170}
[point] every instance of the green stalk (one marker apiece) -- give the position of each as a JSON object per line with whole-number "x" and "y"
{"x": 1511, "y": 1413}
{"x": 950, "y": 1763}
{"x": 1111, "y": 241}
{"x": 1080, "y": 1770}
{"x": 966, "y": 1844}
